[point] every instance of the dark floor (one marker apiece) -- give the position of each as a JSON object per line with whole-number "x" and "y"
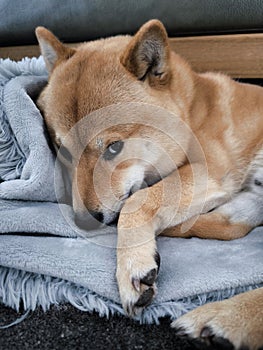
{"x": 68, "y": 328}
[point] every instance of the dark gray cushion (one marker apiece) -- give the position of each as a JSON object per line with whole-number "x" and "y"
{"x": 79, "y": 20}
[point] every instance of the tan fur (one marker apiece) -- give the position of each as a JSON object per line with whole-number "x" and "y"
{"x": 238, "y": 319}
{"x": 212, "y": 113}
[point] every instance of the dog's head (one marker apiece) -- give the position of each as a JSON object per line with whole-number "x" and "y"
{"x": 118, "y": 158}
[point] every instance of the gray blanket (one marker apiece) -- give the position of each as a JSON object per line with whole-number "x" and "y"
{"x": 56, "y": 261}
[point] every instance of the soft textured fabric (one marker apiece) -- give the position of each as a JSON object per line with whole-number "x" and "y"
{"x": 52, "y": 270}
{"x": 20, "y": 119}
{"x": 72, "y": 265}
{"x": 85, "y": 20}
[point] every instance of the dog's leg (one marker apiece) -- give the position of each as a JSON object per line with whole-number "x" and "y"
{"x": 148, "y": 212}
{"x": 137, "y": 257}
{"x": 231, "y": 220}
{"x": 212, "y": 225}
{"x": 238, "y": 320}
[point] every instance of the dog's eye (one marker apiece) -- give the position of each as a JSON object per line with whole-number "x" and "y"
{"x": 64, "y": 152}
{"x": 113, "y": 149}
{"x": 258, "y": 183}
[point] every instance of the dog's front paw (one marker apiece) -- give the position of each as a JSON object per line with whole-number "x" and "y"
{"x": 136, "y": 275}
{"x": 236, "y": 323}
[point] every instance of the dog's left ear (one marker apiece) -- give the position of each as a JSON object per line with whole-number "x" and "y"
{"x": 147, "y": 55}
{"x": 52, "y": 49}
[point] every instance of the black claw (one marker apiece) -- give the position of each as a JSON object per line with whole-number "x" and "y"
{"x": 157, "y": 259}
{"x": 206, "y": 333}
{"x": 217, "y": 342}
{"x": 146, "y": 298}
{"x": 149, "y": 278}
{"x": 180, "y": 331}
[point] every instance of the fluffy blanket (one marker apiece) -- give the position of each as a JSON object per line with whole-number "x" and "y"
{"x": 45, "y": 259}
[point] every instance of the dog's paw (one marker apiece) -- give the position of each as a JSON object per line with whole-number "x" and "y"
{"x": 136, "y": 277}
{"x": 236, "y": 323}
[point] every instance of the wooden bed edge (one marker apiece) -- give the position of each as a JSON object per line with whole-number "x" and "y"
{"x": 238, "y": 55}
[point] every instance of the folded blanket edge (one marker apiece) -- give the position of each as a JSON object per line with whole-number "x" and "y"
{"x": 32, "y": 290}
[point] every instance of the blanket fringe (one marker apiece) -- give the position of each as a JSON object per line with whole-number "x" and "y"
{"x": 27, "y": 290}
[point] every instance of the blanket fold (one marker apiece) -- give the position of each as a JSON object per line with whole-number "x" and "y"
{"x": 21, "y": 118}
{"x": 57, "y": 262}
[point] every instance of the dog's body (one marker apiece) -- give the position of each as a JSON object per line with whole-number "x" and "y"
{"x": 205, "y": 168}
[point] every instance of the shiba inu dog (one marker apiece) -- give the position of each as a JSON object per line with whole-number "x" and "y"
{"x": 169, "y": 151}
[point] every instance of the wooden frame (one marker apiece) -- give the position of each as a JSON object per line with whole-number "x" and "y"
{"x": 239, "y": 55}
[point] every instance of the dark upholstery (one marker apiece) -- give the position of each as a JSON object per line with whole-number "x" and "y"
{"x": 79, "y": 20}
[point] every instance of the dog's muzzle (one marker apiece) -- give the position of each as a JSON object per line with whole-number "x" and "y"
{"x": 89, "y": 222}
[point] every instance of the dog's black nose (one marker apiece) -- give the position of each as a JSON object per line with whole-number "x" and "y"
{"x": 98, "y": 215}
{"x": 86, "y": 222}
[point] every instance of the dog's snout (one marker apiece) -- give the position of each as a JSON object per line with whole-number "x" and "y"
{"x": 86, "y": 222}
{"x": 97, "y": 215}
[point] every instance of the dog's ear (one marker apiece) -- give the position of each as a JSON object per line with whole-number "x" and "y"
{"x": 51, "y": 48}
{"x": 148, "y": 53}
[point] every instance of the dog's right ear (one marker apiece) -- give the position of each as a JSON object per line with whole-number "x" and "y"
{"x": 52, "y": 49}
{"x": 148, "y": 53}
